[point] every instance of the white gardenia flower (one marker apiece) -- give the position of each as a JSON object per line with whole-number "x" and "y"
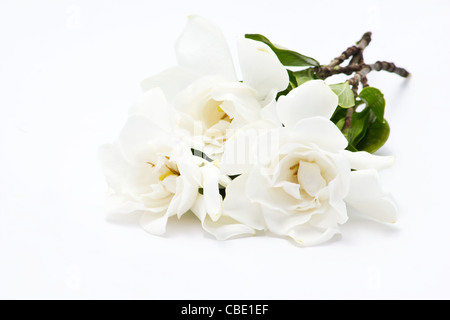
{"x": 301, "y": 185}
{"x": 205, "y": 89}
{"x": 151, "y": 170}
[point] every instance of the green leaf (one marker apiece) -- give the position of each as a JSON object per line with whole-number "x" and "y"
{"x": 345, "y": 94}
{"x": 292, "y": 79}
{"x": 351, "y": 148}
{"x": 374, "y": 99}
{"x": 358, "y": 129}
{"x": 340, "y": 123}
{"x": 303, "y": 76}
{"x": 287, "y": 57}
{"x": 339, "y": 116}
{"x": 376, "y": 136}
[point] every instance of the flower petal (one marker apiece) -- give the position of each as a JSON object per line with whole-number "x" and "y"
{"x": 308, "y": 235}
{"x": 225, "y": 228}
{"x": 261, "y": 68}
{"x": 203, "y": 49}
{"x": 154, "y": 106}
{"x": 171, "y": 81}
{"x": 282, "y": 224}
{"x": 136, "y": 134}
{"x": 363, "y": 160}
{"x": 239, "y": 102}
{"x": 260, "y": 191}
{"x": 309, "y": 178}
{"x": 269, "y": 113}
{"x": 184, "y": 198}
{"x": 154, "y": 223}
{"x": 212, "y": 197}
{"x": 338, "y": 188}
{"x": 367, "y": 196}
{"x": 321, "y": 132}
{"x": 311, "y": 99}
{"x": 121, "y": 204}
{"x": 242, "y": 150}
{"x": 239, "y": 207}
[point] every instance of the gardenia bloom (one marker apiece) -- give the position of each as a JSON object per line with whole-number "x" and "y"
{"x": 205, "y": 89}
{"x": 301, "y": 185}
{"x": 152, "y": 171}
{"x": 148, "y": 170}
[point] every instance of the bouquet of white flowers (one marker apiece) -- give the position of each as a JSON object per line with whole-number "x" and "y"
{"x": 274, "y": 149}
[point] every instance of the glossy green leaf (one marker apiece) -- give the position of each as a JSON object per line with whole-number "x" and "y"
{"x": 345, "y": 94}
{"x": 376, "y": 136}
{"x": 340, "y": 123}
{"x": 351, "y": 148}
{"x": 292, "y": 79}
{"x": 303, "y": 76}
{"x": 287, "y": 57}
{"x": 374, "y": 99}
{"x": 358, "y": 129}
{"x": 339, "y": 117}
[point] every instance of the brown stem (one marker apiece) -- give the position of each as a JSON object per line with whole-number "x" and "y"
{"x": 348, "y": 120}
{"x": 390, "y": 67}
{"x": 350, "y": 52}
{"x": 357, "y": 60}
{"x": 358, "y": 67}
{"x": 355, "y": 52}
{"x": 362, "y": 44}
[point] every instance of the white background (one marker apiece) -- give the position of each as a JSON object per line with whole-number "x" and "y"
{"x": 69, "y": 70}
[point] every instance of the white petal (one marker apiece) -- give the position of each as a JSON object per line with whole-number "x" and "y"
{"x": 136, "y": 134}
{"x": 154, "y": 106}
{"x": 199, "y": 208}
{"x": 184, "y": 198}
{"x": 120, "y": 204}
{"x": 321, "y": 132}
{"x": 311, "y": 99}
{"x": 292, "y": 189}
{"x": 188, "y": 183}
{"x": 189, "y": 192}
{"x": 203, "y": 49}
{"x": 154, "y": 223}
{"x": 363, "y": 160}
{"x": 338, "y": 188}
{"x": 224, "y": 228}
{"x": 260, "y": 191}
{"x": 367, "y": 196}
{"x": 239, "y": 102}
{"x": 269, "y": 113}
{"x": 212, "y": 197}
{"x": 198, "y": 92}
{"x": 330, "y": 218}
{"x": 171, "y": 81}
{"x": 237, "y": 157}
{"x": 282, "y": 224}
{"x": 307, "y": 235}
{"x": 239, "y": 207}
{"x": 261, "y": 68}
{"x": 242, "y": 150}
{"x": 187, "y": 164}
{"x": 310, "y": 178}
